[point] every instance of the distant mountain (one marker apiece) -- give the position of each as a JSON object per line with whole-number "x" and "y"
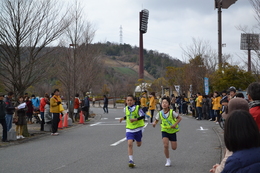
{"x": 124, "y": 59}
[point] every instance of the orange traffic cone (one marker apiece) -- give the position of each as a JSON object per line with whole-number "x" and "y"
{"x": 60, "y": 123}
{"x": 65, "y": 120}
{"x": 81, "y": 118}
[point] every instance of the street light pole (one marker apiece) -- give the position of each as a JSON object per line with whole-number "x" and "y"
{"x": 221, "y": 4}
{"x": 219, "y": 36}
{"x": 143, "y": 17}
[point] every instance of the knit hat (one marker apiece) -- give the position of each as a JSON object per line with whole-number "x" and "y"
{"x": 235, "y": 104}
{"x": 232, "y": 89}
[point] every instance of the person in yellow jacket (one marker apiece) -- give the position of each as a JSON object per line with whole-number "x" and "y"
{"x": 134, "y": 117}
{"x": 169, "y": 127}
{"x": 143, "y": 101}
{"x": 152, "y": 105}
{"x": 216, "y": 106}
{"x": 199, "y": 105}
{"x": 55, "y": 102}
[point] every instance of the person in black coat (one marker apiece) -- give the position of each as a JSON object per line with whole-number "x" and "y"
{"x": 2, "y": 118}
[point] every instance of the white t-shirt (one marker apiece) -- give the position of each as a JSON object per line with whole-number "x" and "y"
{"x": 175, "y": 115}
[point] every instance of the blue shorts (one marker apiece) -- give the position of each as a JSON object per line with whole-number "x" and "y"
{"x": 134, "y": 136}
{"x": 171, "y": 137}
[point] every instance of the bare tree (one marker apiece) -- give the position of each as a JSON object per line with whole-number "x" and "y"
{"x": 27, "y": 28}
{"x": 203, "y": 49}
{"x": 255, "y": 55}
{"x": 81, "y": 63}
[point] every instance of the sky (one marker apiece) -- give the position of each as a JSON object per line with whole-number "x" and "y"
{"x": 171, "y": 25}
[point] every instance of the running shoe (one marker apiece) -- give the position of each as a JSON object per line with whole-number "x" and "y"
{"x": 168, "y": 163}
{"x": 131, "y": 164}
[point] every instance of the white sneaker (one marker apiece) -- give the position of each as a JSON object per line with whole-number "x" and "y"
{"x": 18, "y": 137}
{"x": 216, "y": 122}
{"x": 54, "y": 134}
{"x": 168, "y": 163}
{"x": 22, "y": 137}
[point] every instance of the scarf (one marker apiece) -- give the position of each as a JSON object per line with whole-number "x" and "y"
{"x": 254, "y": 103}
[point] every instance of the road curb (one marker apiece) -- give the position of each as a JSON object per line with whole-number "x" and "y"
{"x": 220, "y": 134}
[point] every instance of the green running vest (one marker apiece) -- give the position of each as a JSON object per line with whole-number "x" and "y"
{"x": 166, "y": 126}
{"x": 132, "y": 115}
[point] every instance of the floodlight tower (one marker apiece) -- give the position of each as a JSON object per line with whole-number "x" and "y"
{"x": 219, "y": 4}
{"x": 144, "y": 15}
{"x": 249, "y": 42}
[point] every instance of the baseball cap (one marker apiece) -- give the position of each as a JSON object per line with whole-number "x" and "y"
{"x": 235, "y": 104}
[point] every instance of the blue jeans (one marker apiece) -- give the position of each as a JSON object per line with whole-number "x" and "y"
{"x": 199, "y": 109}
{"x": 211, "y": 113}
{"x": 105, "y": 108}
{"x": 9, "y": 121}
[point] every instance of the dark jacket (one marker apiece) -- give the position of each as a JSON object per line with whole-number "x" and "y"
{"x": 29, "y": 107}
{"x": 2, "y": 109}
{"x": 21, "y": 113}
{"x": 105, "y": 101}
{"x": 86, "y": 101}
{"x": 243, "y": 161}
{"x": 9, "y": 107}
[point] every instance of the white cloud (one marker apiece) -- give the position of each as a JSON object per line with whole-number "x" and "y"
{"x": 171, "y": 23}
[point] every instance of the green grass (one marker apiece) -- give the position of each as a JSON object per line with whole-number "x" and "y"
{"x": 125, "y": 71}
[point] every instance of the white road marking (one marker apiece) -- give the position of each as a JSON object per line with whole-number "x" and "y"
{"x": 118, "y": 142}
{"x": 104, "y": 118}
{"x": 110, "y": 124}
{"x": 201, "y": 128}
{"x": 95, "y": 124}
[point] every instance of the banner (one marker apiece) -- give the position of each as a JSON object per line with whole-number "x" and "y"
{"x": 206, "y": 85}
{"x": 177, "y": 88}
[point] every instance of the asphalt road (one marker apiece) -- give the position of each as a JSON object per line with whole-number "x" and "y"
{"x": 100, "y": 147}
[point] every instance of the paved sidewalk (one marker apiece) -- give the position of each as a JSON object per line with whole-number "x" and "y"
{"x": 34, "y": 131}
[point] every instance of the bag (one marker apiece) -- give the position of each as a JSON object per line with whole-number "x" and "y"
{"x": 61, "y": 109}
{"x": 148, "y": 114}
{"x": 15, "y": 119}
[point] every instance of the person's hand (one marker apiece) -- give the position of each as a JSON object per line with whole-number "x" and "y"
{"x": 214, "y": 168}
{"x": 173, "y": 126}
{"x": 133, "y": 120}
{"x": 154, "y": 124}
{"x": 58, "y": 103}
{"x": 121, "y": 119}
{"x": 16, "y": 108}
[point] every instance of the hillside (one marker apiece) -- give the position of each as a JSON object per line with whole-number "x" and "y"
{"x": 125, "y": 68}
{"x": 124, "y": 58}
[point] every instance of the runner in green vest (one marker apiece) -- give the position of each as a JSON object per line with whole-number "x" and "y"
{"x": 134, "y": 126}
{"x": 169, "y": 126}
